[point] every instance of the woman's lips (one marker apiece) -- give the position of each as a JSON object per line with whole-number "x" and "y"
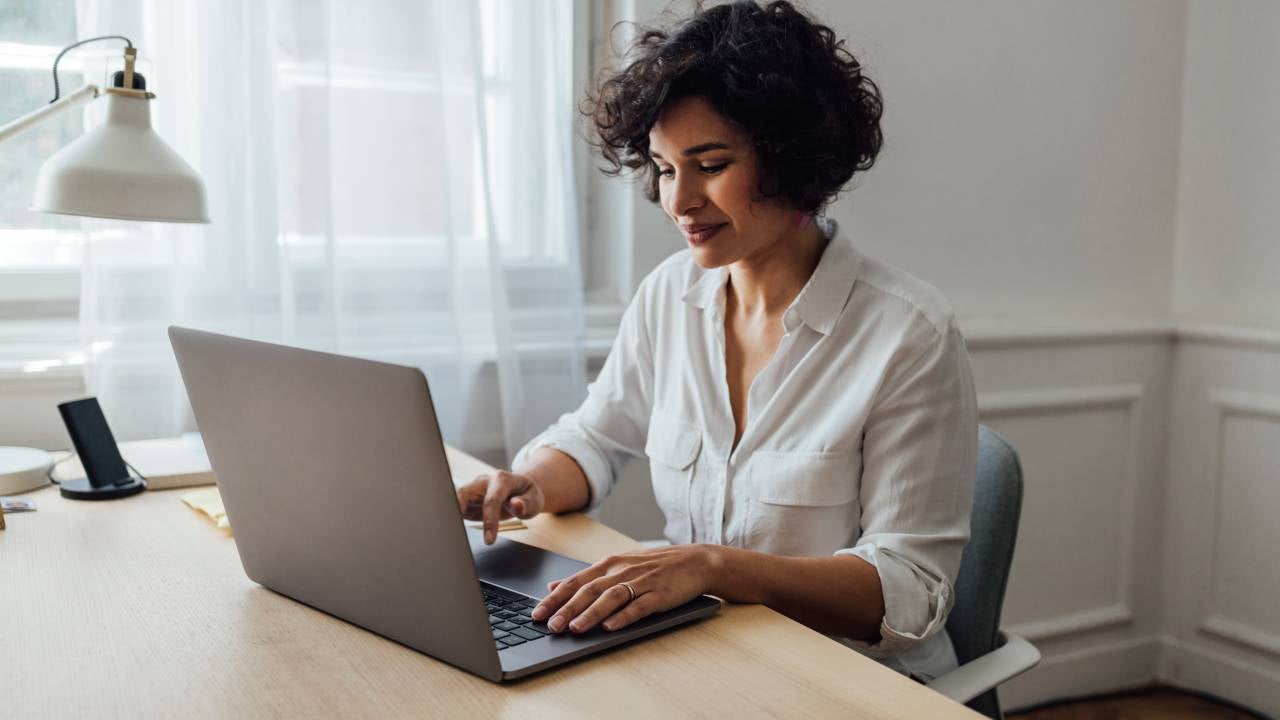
{"x": 698, "y": 234}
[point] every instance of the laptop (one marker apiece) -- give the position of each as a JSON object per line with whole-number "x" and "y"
{"x": 334, "y": 477}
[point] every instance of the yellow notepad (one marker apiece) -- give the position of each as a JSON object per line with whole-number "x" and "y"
{"x": 209, "y": 501}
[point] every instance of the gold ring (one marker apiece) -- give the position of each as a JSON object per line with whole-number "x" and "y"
{"x": 630, "y": 590}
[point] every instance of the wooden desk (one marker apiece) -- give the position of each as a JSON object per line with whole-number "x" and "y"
{"x": 139, "y": 608}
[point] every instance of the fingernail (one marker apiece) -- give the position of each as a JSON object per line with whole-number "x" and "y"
{"x": 488, "y": 536}
{"x": 609, "y": 625}
{"x": 576, "y": 625}
{"x": 538, "y": 613}
{"x": 556, "y": 624}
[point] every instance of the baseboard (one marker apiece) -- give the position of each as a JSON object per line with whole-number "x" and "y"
{"x": 1103, "y": 668}
{"x": 1192, "y": 665}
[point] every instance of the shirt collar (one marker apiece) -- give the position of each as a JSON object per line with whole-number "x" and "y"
{"x": 823, "y": 298}
{"x": 701, "y": 292}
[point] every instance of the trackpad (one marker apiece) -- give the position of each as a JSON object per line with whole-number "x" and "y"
{"x": 517, "y": 566}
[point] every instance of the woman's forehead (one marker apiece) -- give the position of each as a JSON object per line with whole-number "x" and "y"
{"x": 689, "y": 126}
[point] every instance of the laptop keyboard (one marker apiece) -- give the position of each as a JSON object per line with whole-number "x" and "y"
{"x": 509, "y": 616}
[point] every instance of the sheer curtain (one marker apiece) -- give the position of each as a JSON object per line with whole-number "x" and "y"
{"x": 388, "y": 179}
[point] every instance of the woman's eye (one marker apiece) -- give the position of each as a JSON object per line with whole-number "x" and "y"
{"x": 666, "y": 172}
{"x": 713, "y": 169}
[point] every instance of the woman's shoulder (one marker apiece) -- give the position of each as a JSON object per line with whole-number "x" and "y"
{"x": 885, "y": 289}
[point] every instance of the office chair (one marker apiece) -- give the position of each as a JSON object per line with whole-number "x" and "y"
{"x": 988, "y": 656}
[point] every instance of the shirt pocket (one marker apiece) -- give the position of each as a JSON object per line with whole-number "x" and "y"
{"x": 802, "y": 503}
{"x": 673, "y": 447}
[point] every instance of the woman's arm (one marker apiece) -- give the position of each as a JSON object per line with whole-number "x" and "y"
{"x": 545, "y": 480}
{"x": 838, "y": 595}
{"x": 563, "y": 484}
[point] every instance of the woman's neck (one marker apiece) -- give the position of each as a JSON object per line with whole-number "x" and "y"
{"x": 765, "y": 284}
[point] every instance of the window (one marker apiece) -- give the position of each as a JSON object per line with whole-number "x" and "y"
{"x": 39, "y": 254}
{"x": 338, "y": 73}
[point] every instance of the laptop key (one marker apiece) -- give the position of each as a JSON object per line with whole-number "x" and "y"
{"x": 526, "y": 633}
{"x": 505, "y": 614}
{"x": 512, "y": 640}
{"x": 494, "y": 619}
{"x": 522, "y": 619}
{"x": 498, "y": 635}
{"x": 537, "y": 626}
{"x": 508, "y": 626}
{"x": 501, "y": 645}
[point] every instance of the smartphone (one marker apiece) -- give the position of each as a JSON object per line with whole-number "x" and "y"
{"x": 94, "y": 443}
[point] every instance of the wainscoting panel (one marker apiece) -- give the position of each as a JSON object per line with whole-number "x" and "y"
{"x": 1073, "y": 566}
{"x": 1221, "y": 574}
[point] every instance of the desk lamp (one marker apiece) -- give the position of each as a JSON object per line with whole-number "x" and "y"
{"x": 120, "y": 170}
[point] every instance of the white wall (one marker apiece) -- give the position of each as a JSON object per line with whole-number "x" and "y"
{"x": 1228, "y": 241}
{"x": 1221, "y": 576}
{"x": 1030, "y": 157}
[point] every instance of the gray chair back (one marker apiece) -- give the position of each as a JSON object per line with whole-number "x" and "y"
{"x": 974, "y": 623}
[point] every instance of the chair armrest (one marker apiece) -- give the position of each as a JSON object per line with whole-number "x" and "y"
{"x": 981, "y": 674}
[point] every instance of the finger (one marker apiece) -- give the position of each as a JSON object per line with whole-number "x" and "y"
{"x": 610, "y": 601}
{"x": 515, "y": 506}
{"x": 640, "y": 608}
{"x": 581, "y": 600}
{"x": 470, "y": 497}
{"x": 562, "y": 590}
{"x": 491, "y": 513}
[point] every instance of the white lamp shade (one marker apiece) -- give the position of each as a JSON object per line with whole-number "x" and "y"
{"x": 121, "y": 170}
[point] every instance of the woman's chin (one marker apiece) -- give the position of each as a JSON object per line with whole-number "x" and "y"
{"x": 707, "y": 258}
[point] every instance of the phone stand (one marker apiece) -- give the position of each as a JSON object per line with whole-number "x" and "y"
{"x": 82, "y": 489}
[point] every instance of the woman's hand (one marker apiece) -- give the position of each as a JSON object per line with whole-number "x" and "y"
{"x": 662, "y": 578}
{"x": 495, "y": 497}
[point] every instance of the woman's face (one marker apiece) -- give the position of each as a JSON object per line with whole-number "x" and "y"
{"x": 707, "y": 184}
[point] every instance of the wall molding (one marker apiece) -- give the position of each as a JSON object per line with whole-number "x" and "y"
{"x": 1229, "y": 336}
{"x": 1068, "y": 399}
{"x": 1183, "y": 663}
{"x": 1102, "y": 667}
{"x": 1055, "y": 401}
{"x": 1077, "y": 622}
{"x": 1226, "y": 404}
{"x": 1241, "y": 633}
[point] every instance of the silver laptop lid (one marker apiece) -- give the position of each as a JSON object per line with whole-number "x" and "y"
{"x": 334, "y": 477}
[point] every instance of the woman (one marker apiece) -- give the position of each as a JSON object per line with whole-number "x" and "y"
{"x": 808, "y": 413}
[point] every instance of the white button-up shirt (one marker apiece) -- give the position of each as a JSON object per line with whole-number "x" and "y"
{"x": 861, "y": 434}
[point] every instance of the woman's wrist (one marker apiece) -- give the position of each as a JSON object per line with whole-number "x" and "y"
{"x": 733, "y": 574}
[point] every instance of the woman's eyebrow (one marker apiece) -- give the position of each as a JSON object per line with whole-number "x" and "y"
{"x": 697, "y": 149}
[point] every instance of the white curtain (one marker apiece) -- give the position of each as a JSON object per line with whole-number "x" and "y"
{"x": 388, "y": 179}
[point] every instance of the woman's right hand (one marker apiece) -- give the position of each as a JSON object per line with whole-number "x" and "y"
{"x": 494, "y": 497}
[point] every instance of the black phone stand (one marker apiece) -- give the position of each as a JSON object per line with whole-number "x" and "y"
{"x": 84, "y": 489}
{"x": 107, "y": 473}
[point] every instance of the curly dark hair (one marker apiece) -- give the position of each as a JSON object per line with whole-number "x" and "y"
{"x": 781, "y": 77}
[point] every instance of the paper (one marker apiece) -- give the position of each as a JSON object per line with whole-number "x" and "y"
{"x": 508, "y": 524}
{"x": 209, "y": 502}
{"x": 17, "y": 504}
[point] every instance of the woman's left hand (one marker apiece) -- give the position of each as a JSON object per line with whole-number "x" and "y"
{"x": 662, "y": 578}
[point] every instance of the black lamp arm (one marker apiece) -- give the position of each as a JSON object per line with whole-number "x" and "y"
{"x": 57, "y": 92}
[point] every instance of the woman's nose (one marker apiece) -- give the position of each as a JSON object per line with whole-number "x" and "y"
{"x": 686, "y": 195}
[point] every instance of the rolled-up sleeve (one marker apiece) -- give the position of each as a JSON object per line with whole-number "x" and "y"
{"x": 611, "y": 425}
{"x": 919, "y": 463}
